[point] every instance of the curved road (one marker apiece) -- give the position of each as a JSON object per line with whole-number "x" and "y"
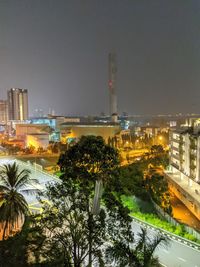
{"x": 176, "y": 254}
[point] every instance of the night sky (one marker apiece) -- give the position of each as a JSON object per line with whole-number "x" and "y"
{"x": 58, "y": 50}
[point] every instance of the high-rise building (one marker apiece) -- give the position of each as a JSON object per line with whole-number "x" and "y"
{"x": 112, "y": 70}
{"x": 184, "y": 170}
{"x": 3, "y": 112}
{"x": 18, "y": 104}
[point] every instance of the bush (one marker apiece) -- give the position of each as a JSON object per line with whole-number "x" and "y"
{"x": 154, "y": 220}
{"x": 130, "y": 203}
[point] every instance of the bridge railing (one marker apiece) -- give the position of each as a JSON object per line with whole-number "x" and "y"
{"x": 37, "y": 168}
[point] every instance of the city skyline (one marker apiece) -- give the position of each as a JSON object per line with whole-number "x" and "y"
{"x": 59, "y": 52}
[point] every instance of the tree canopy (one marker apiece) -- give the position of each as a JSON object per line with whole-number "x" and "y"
{"x": 90, "y": 158}
{"x": 73, "y": 235}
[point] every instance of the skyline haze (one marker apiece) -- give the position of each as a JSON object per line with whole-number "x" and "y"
{"x": 58, "y": 50}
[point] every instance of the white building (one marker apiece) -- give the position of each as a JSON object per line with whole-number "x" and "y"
{"x": 184, "y": 171}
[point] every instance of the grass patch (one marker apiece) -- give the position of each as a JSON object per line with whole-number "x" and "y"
{"x": 58, "y": 173}
{"x": 131, "y": 203}
{"x": 135, "y": 211}
{"x": 154, "y": 220}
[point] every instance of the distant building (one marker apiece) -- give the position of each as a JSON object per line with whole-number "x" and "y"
{"x": 18, "y": 104}
{"x": 3, "y": 112}
{"x": 37, "y": 140}
{"x": 73, "y": 131}
{"x": 36, "y": 135}
{"x": 184, "y": 171}
{"x": 150, "y": 131}
{"x": 26, "y": 128}
{"x": 54, "y": 122}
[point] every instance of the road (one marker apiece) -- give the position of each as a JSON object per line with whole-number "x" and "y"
{"x": 176, "y": 255}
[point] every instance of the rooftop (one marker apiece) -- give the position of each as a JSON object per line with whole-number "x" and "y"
{"x": 91, "y": 124}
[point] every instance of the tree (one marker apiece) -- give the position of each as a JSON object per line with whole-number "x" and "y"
{"x": 146, "y": 247}
{"x": 68, "y": 223}
{"x": 140, "y": 255}
{"x": 157, "y": 149}
{"x": 91, "y": 162}
{"x": 40, "y": 150}
{"x": 132, "y": 180}
{"x": 29, "y": 149}
{"x": 73, "y": 235}
{"x": 157, "y": 187}
{"x": 13, "y": 205}
{"x": 90, "y": 158}
{"x": 14, "y": 250}
{"x": 144, "y": 181}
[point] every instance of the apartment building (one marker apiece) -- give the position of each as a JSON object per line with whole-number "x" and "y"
{"x": 184, "y": 170}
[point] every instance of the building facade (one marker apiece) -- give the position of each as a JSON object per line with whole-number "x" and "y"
{"x": 3, "y": 112}
{"x": 184, "y": 171}
{"x": 74, "y": 131}
{"x": 185, "y": 154}
{"x": 18, "y": 104}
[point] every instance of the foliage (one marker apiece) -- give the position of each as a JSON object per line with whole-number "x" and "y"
{"x": 154, "y": 220}
{"x": 13, "y": 205}
{"x": 141, "y": 255}
{"x": 77, "y": 235}
{"x": 157, "y": 149}
{"x": 29, "y": 149}
{"x": 72, "y": 233}
{"x": 130, "y": 203}
{"x": 12, "y": 149}
{"x": 40, "y": 150}
{"x": 14, "y": 249}
{"x": 89, "y": 159}
{"x": 143, "y": 180}
{"x": 131, "y": 178}
{"x": 146, "y": 247}
{"x": 157, "y": 187}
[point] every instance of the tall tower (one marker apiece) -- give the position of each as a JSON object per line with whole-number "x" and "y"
{"x": 3, "y": 111}
{"x": 18, "y": 104}
{"x": 112, "y": 70}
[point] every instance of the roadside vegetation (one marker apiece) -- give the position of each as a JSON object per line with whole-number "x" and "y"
{"x": 145, "y": 180}
{"x": 137, "y": 211}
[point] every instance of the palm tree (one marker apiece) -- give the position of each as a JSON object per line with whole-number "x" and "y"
{"x": 13, "y": 206}
{"x": 146, "y": 247}
{"x": 140, "y": 255}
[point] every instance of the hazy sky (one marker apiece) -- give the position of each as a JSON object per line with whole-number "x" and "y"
{"x": 58, "y": 50}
